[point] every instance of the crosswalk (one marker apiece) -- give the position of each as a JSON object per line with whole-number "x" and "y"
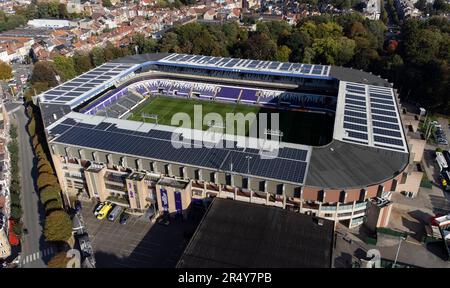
{"x": 37, "y": 255}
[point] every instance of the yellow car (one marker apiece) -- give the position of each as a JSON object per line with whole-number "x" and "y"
{"x": 104, "y": 211}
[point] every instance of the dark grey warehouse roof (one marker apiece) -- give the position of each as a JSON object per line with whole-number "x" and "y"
{"x": 343, "y": 165}
{"x": 236, "y": 234}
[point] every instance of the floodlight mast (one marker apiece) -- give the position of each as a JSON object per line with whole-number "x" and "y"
{"x": 276, "y": 133}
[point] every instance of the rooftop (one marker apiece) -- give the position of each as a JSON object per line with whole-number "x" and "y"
{"x": 236, "y": 234}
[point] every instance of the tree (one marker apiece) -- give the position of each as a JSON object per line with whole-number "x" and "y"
{"x": 260, "y": 46}
{"x": 45, "y": 72}
{"x": 65, "y": 67}
{"x": 169, "y": 43}
{"x": 58, "y": 226}
{"x": 283, "y": 53}
{"x": 50, "y": 193}
{"x": 82, "y": 62}
{"x": 144, "y": 44}
{"x": 97, "y": 56}
{"x": 60, "y": 260}
{"x": 16, "y": 212}
{"x": 5, "y": 71}
{"x": 45, "y": 179}
{"x": 107, "y": 3}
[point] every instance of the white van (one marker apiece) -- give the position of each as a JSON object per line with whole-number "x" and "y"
{"x": 114, "y": 213}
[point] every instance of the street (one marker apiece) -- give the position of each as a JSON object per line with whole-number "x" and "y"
{"x": 35, "y": 251}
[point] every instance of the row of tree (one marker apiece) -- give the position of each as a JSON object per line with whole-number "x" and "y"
{"x": 345, "y": 40}
{"x": 46, "y": 10}
{"x": 15, "y": 188}
{"x": 8, "y": 22}
{"x": 58, "y": 225}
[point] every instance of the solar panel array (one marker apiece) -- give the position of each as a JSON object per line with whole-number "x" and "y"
{"x": 86, "y": 83}
{"x": 370, "y": 117}
{"x": 290, "y": 165}
{"x": 247, "y": 64}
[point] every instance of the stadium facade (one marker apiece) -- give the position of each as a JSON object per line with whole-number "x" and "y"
{"x": 100, "y": 154}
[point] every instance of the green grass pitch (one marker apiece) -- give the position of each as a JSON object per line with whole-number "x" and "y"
{"x": 297, "y": 127}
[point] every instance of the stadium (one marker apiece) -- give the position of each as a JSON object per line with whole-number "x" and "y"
{"x": 339, "y": 145}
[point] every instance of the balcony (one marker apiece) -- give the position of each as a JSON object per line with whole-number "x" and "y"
{"x": 328, "y": 208}
{"x": 115, "y": 178}
{"x": 196, "y": 184}
{"x": 345, "y": 207}
{"x": 212, "y": 187}
{"x": 226, "y": 194}
{"x": 118, "y": 188}
{"x": 312, "y": 206}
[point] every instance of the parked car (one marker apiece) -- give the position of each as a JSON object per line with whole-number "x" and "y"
{"x": 105, "y": 210}
{"x": 98, "y": 208}
{"x": 114, "y": 213}
{"x": 124, "y": 218}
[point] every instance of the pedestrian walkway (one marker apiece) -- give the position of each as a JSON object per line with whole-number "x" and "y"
{"x": 37, "y": 255}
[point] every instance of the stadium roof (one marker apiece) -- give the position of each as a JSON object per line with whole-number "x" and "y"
{"x": 368, "y": 115}
{"x": 74, "y": 92}
{"x": 247, "y": 65}
{"x": 154, "y": 142}
{"x": 236, "y": 234}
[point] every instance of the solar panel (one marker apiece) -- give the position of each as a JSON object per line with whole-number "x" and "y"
{"x": 380, "y": 96}
{"x": 355, "y": 114}
{"x": 355, "y": 127}
{"x": 291, "y": 153}
{"x": 285, "y": 66}
{"x": 354, "y": 97}
{"x": 274, "y": 65}
{"x": 65, "y": 98}
{"x": 357, "y": 135}
{"x": 354, "y": 87}
{"x": 355, "y": 141}
{"x": 214, "y": 158}
{"x": 384, "y": 146}
{"x": 53, "y": 92}
{"x": 384, "y": 118}
{"x": 385, "y": 125}
{"x": 356, "y": 91}
{"x": 380, "y": 106}
{"x": 386, "y": 140}
{"x": 352, "y": 107}
{"x": 382, "y": 101}
{"x": 387, "y": 132}
{"x": 73, "y": 94}
{"x": 355, "y": 120}
{"x": 59, "y": 129}
{"x": 383, "y": 112}
{"x": 353, "y": 102}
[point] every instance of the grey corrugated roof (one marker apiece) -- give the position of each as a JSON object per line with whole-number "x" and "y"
{"x": 355, "y": 75}
{"x": 239, "y": 234}
{"x": 343, "y": 165}
{"x": 141, "y": 58}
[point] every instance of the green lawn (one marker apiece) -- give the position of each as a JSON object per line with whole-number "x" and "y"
{"x": 297, "y": 127}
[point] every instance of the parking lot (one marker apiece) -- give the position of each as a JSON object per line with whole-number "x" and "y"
{"x": 137, "y": 244}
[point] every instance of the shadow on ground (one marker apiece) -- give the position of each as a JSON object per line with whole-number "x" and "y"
{"x": 170, "y": 243}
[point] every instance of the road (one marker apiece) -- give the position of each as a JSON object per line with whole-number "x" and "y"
{"x": 35, "y": 251}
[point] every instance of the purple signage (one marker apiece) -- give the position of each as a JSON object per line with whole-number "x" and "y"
{"x": 178, "y": 204}
{"x": 164, "y": 200}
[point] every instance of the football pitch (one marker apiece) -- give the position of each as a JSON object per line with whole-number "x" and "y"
{"x": 297, "y": 127}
